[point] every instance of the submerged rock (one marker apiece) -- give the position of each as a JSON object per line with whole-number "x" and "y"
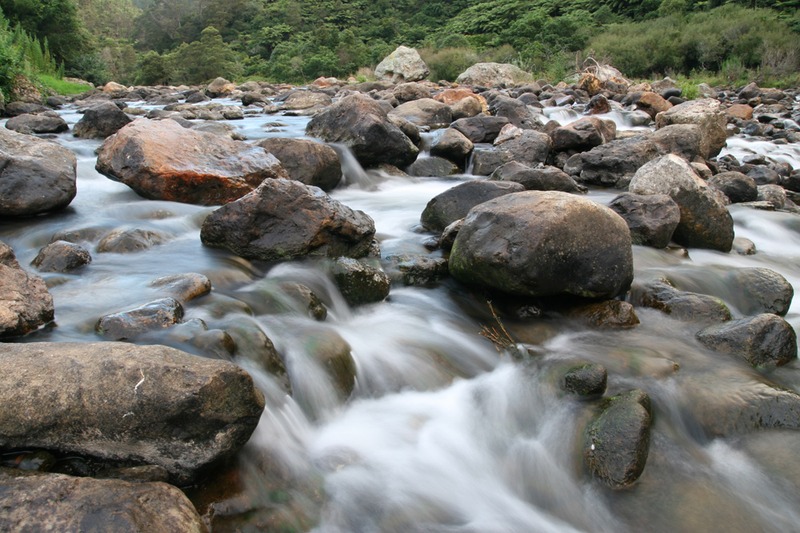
{"x": 764, "y": 339}
{"x": 283, "y": 220}
{"x": 55, "y": 502}
{"x": 537, "y": 243}
{"x": 360, "y": 283}
{"x": 682, "y": 305}
{"x": 122, "y": 402}
{"x": 36, "y": 176}
{"x": 61, "y": 256}
{"x": 617, "y": 443}
{"x": 25, "y": 302}
{"x": 127, "y": 325}
{"x": 162, "y": 160}
{"x": 587, "y": 380}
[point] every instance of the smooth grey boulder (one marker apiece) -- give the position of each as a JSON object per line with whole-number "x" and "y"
{"x": 586, "y": 380}
{"x": 129, "y": 403}
{"x": 682, "y": 305}
{"x": 152, "y": 316}
{"x": 516, "y": 111}
{"x": 363, "y": 125}
{"x": 36, "y": 176}
{"x": 283, "y": 220}
{"x": 705, "y": 220}
{"x": 424, "y": 112}
{"x": 583, "y": 134}
{"x": 403, "y": 64}
{"x": 306, "y": 161}
{"x": 360, "y": 283}
{"x": 454, "y": 203}
{"x": 432, "y": 166}
{"x": 529, "y": 148}
{"x": 544, "y": 243}
{"x": 55, "y": 502}
{"x": 25, "y": 302}
{"x": 617, "y": 442}
{"x": 125, "y": 241}
{"x": 100, "y": 121}
{"x": 706, "y": 113}
{"x": 454, "y": 146}
{"x": 736, "y": 186}
{"x": 493, "y": 75}
{"x": 759, "y": 290}
{"x": 652, "y": 218}
{"x": 480, "y": 128}
{"x": 161, "y": 160}
{"x": 39, "y": 123}
{"x": 612, "y": 164}
{"x": 537, "y": 178}
{"x": 764, "y": 339}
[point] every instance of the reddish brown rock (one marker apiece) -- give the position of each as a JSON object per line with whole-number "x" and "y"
{"x": 161, "y": 160}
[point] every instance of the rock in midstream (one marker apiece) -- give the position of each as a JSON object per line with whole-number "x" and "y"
{"x": 764, "y": 339}
{"x": 122, "y": 402}
{"x": 284, "y": 220}
{"x": 25, "y": 302}
{"x": 55, "y": 502}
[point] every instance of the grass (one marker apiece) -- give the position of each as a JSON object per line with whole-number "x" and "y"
{"x": 62, "y": 87}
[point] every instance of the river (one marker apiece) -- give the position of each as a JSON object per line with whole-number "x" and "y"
{"x": 443, "y": 433}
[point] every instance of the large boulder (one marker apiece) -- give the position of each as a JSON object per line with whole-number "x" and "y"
{"x": 284, "y": 219}
{"x": 306, "y": 161}
{"x": 706, "y": 113}
{"x": 36, "y": 176}
{"x": 705, "y": 221}
{"x": 55, "y": 502}
{"x": 759, "y": 290}
{"x": 764, "y": 339}
{"x": 651, "y": 218}
{"x": 362, "y": 124}
{"x": 529, "y": 148}
{"x": 25, "y": 302}
{"x": 39, "y": 123}
{"x": 736, "y": 186}
{"x": 152, "y": 316}
{"x": 121, "y": 402}
{"x": 403, "y": 64}
{"x": 583, "y": 134}
{"x": 543, "y": 244}
{"x": 452, "y": 145}
{"x": 425, "y": 112}
{"x": 61, "y": 256}
{"x": 493, "y": 75}
{"x": 454, "y": 203}
{"x": 161, "y": 160}
{"x": 100, "y": 121}
{"x": 538, "y": 178}
{"x": 481, "y": 128}
{"x": 614, "y": 163}
{"x": 516, "y": 111}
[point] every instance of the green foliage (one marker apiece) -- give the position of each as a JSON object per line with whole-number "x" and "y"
{"x": 202, "y": 61}
{"x": 151, "y": 69}
{"x": 11, "y": 58}
{"x": 60, "y": 86}
{"x": 448, "y": 63}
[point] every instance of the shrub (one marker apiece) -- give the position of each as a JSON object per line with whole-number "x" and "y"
{"x": 448, "y": 63}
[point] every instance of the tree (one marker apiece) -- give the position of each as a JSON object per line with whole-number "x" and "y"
{"x": 204, "y": 60}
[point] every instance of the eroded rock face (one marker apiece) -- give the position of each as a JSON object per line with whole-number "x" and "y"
{"x": 36, "y": 176}
{"x": 544, "y": 244}
{"x": 362, "y": 124}
{"x": 25, "y": 302}
{"x": 122, "y": 402}
{"x": 284, "y": 219}
{"x": 161, "y": 160}
{"x": 55, "y": 502}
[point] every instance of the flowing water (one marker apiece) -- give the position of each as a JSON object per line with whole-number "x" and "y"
{"x": 443, "y": 433}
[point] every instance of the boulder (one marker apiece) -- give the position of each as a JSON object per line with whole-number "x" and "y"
{"x": 100, "y": 121}
{"x": 608, "y": 314}
{"x": 283, "y": 220}
{"x": 493, "y": 75}
{"x": 122, "y": 402}
{"x": 587, "y": 380}
{"x": 415, "y": 270}
{"x": 706, "y": 113}
{"x": 681, "y": 305}
{"x": 684, "y": 140}
{"x": 161, "y": 160}
{"x": 764, "y": 339}
{"x": 362, "y": 124}
{"x": 480, "y": 129}
{"x": 40, "y": 123}
{"x": 303, "y": 100}
{"x": 454, "y": 203}
{"x": 538, "y": 178}
{"x": 25, "y": 302}
{"x": 126, "y": 241}
{"x": 651, "y": 218}
{"x": 55, "y": 502}
{"x": 583, "y": 134}
{"x": 306, "y": 161}
{"x": 529, "y": 148}
{"x": 36, "y": 176}
{"x": 463, "y": 102}
{"x": 452, "y": 145}
{"x": 183, "y": 287}
{"x": 736, "y": 186}
{"x": 705, "y": 221}
{"x": 153, "y": 316}
{"x": 432, "y": 166}
{"x": 403, "y": 64}
{"x": 612, "y": 164}
{"x": 17, "y": 108}
{"x": 759, "y": 290}
{"x": 359, "y": 282}
{"x": 652, "y": 103}
{"x": 598, "y": 105}
{"x": 424, "y": 112}
{"x": 406, "y": 92}
{"x": 536, "y": 243}
{"x": 61, "y": 256}
{"x": 739, "y": 111}
{"x": 773, "y": 195}
{"x": 220, "y": 87}
{"x": 764, "y": 175}
{"x": 617, "y": 442}
{"x": 515, "y": 111}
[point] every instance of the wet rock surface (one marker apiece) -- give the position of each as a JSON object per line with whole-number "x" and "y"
{"x": 25, "y": 302}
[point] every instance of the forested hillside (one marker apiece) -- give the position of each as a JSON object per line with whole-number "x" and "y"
{"x": 191, "y": 41}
